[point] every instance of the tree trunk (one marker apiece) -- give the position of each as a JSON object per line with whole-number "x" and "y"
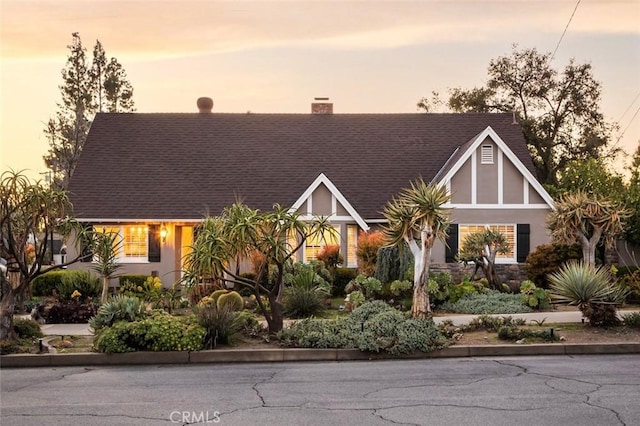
{"x": 7, "y": 305}
{"x": 277, "y": 317}
{"x": 105, "y": 289}
{"x": 420, "y": 306}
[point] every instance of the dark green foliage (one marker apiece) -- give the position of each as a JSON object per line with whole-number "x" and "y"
{"x": 369, "y": 286}
{"x": 222, "y": 324}
{"x": 69, "y": 313}
{"x": 301, "y": 302}
{"x": 401, "y": 289}
{"x": 535, "y": 297}
{"x": 373, "y": 327}
{"x": 341, "y": 279}
{"x": 548, "y": 258}
{"x": 26, "y": 328}
{"x": 492, "y": 323}
{"x": 393, "y": 263}
{"x": 159, "y": 332}
{"x": 118, "y": 308}
{"x": 630, "y": 283}
{"x": 133, "y": 279}
{"x": 514, "y": 333}
{"x": 81, "y": 281}
{"x": 492, "y": 302}
{"x": 631, "y": 320}
{"x": 43, "y": 285}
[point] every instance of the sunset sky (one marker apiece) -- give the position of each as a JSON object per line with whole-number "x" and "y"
{"x": 275, "y": 56}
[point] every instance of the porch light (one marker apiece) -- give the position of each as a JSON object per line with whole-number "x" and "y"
{"x": 163, "y": 233}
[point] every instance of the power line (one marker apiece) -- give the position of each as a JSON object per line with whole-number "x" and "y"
{"x": 629, "y": 107}
{"x": 565, "y": 30}
{"x": 625, "y": 129}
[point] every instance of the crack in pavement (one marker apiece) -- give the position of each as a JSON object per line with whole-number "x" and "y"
{"x": 85, "y": 415}
{"x": 585, "y": 394}
{"x": 257, "y": 391}
{"x": 51, "y": 380}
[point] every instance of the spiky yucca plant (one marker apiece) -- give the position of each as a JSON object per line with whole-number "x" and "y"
{"x": 591, "y": 289}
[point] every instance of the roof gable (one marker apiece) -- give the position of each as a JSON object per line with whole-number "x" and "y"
{"x": 466, "y": 152}
{"x": 324, "y": 180}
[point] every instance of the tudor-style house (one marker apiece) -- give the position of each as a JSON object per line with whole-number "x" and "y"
{"x": 153, "y": 177}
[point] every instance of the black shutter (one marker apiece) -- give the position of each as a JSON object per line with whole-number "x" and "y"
{"x": 522, "y": 242}
{"x": 154, "y": 243}
{"x": 451, "y": 244}
{"x": 85, "y": 246}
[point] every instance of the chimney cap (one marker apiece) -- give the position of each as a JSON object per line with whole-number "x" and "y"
{"x": 205, "y": 104}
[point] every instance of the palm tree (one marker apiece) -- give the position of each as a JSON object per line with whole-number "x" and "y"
{"x": 586, "y": 219}
{"x": 416, "y": 217}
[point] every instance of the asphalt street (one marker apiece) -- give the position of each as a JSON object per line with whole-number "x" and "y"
{"x": 552, "y": 390}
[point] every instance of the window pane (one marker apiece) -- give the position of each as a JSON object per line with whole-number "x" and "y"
{"x": 352, "y": 244}
{"x": 135, "y": 241}
{"x": 314, "y": 245}
{"x": 507, "y": 230}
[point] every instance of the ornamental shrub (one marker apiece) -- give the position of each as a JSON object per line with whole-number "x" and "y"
{"x": 631, "y": 320}
{"x": 302, "y": 302}
{"x": 341, "y": 279}
{"x": 134, "y": 279}
{"x": 69, "y": 313}
{"x": 118, "y": 308}
{"x": 222, "y": 325}
{"x": 367, "y": 251}
{"x": 394, "y": 263}
{"x": 535, "y": 297}
{"x": 43, "y": 285}
{"x": 373, "y": 327}
{"x": 83, "y": 282}
{"x": 330, "y": 256}
{"x": 369, "y": 286}
{"x": 216, "y": 294}
{"x": 159, "y": 332}
{"x": 492, "y": 302}
{"x": 548, "y": 258}
{"x": 26, "y": 328}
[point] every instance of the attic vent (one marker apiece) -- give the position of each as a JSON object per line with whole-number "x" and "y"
{"x": 486, "y": 156}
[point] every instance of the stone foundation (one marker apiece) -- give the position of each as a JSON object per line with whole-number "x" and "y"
{"x": 511, "y": 274}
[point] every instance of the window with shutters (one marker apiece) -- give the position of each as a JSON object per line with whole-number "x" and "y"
{"x": 486, "y": 154}
{"x": 135, "y": 241}
{"x": 509, "y": 231}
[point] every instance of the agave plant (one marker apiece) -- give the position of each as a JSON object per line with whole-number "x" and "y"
{"x": 591, "y": 289}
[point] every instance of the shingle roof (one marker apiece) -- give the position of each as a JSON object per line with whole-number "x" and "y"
{"x": 181, "y": 166}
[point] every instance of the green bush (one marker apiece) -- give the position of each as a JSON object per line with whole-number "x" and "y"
{"x": 118, "y": 308}
{"x": 26, "y": 328}
{"x": 548, "y": 258}
{"x": 301, "y": 302}
{"x": 232, "y": 299}
{"x": 134, "y": 279}
{"x": 222, "y": 324}
{"x": 394, "y": 263}
{"x": 373, "y": 327}
{"x": 83, "y": 282}
{"x": 631, "y": 320}
{"x": 341, "y": 279}
{"x": 369, "y": 286}
{"x": 492, "y": 323}
{"x": 492, "y": 302}
{"x": 535, "y": 297}
{"x": 514, "y": 333}
{"x": 159, "y": 332}
{"x": 43, "y": 285}
{"x": 630, "y": 283}
{"x": 401, "y": 288}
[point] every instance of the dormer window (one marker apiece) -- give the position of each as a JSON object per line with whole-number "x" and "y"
{"x": 486, "y": 156}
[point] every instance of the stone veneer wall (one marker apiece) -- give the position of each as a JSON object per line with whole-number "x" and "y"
{"x": 512, "y": 274}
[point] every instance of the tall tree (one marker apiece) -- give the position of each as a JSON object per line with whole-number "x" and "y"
{"x": 559, "y": 110}
{"x": 30, "y": 215}
{"x": 632, "y": 200}
{"x": 86, "y": 89}
{"x": 277, "y": 235}
{"x": 587, "y": 219}
{"x": 416, "y": 217}
{"x": 592, "y": 176}
{"x": 482, "y": 249}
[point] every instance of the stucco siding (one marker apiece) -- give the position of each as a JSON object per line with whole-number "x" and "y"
{"x": 513, "y": 181}
{"x": 461, "y": 185}
{"x": 321, "y": 201}
{"x": 487, "y": 176}
{"x": 534, "y": 197}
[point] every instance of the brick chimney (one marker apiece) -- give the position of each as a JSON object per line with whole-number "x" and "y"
{"x": 321, "y": 106}
{"x": 205, "y": 105}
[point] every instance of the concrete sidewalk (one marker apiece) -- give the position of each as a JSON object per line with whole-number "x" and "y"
{"x": 547, "y": 317}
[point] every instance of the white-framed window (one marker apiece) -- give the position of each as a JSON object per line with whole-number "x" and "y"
{"x": 135, "y": 241}
{"x": 352, "y": 246}
{"x": 314, "y": 245}
{"x": 508, "y": 230}
{"x": 486, "y": 154}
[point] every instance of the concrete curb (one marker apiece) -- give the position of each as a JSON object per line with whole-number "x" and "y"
{"x": 281, "y": 355}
